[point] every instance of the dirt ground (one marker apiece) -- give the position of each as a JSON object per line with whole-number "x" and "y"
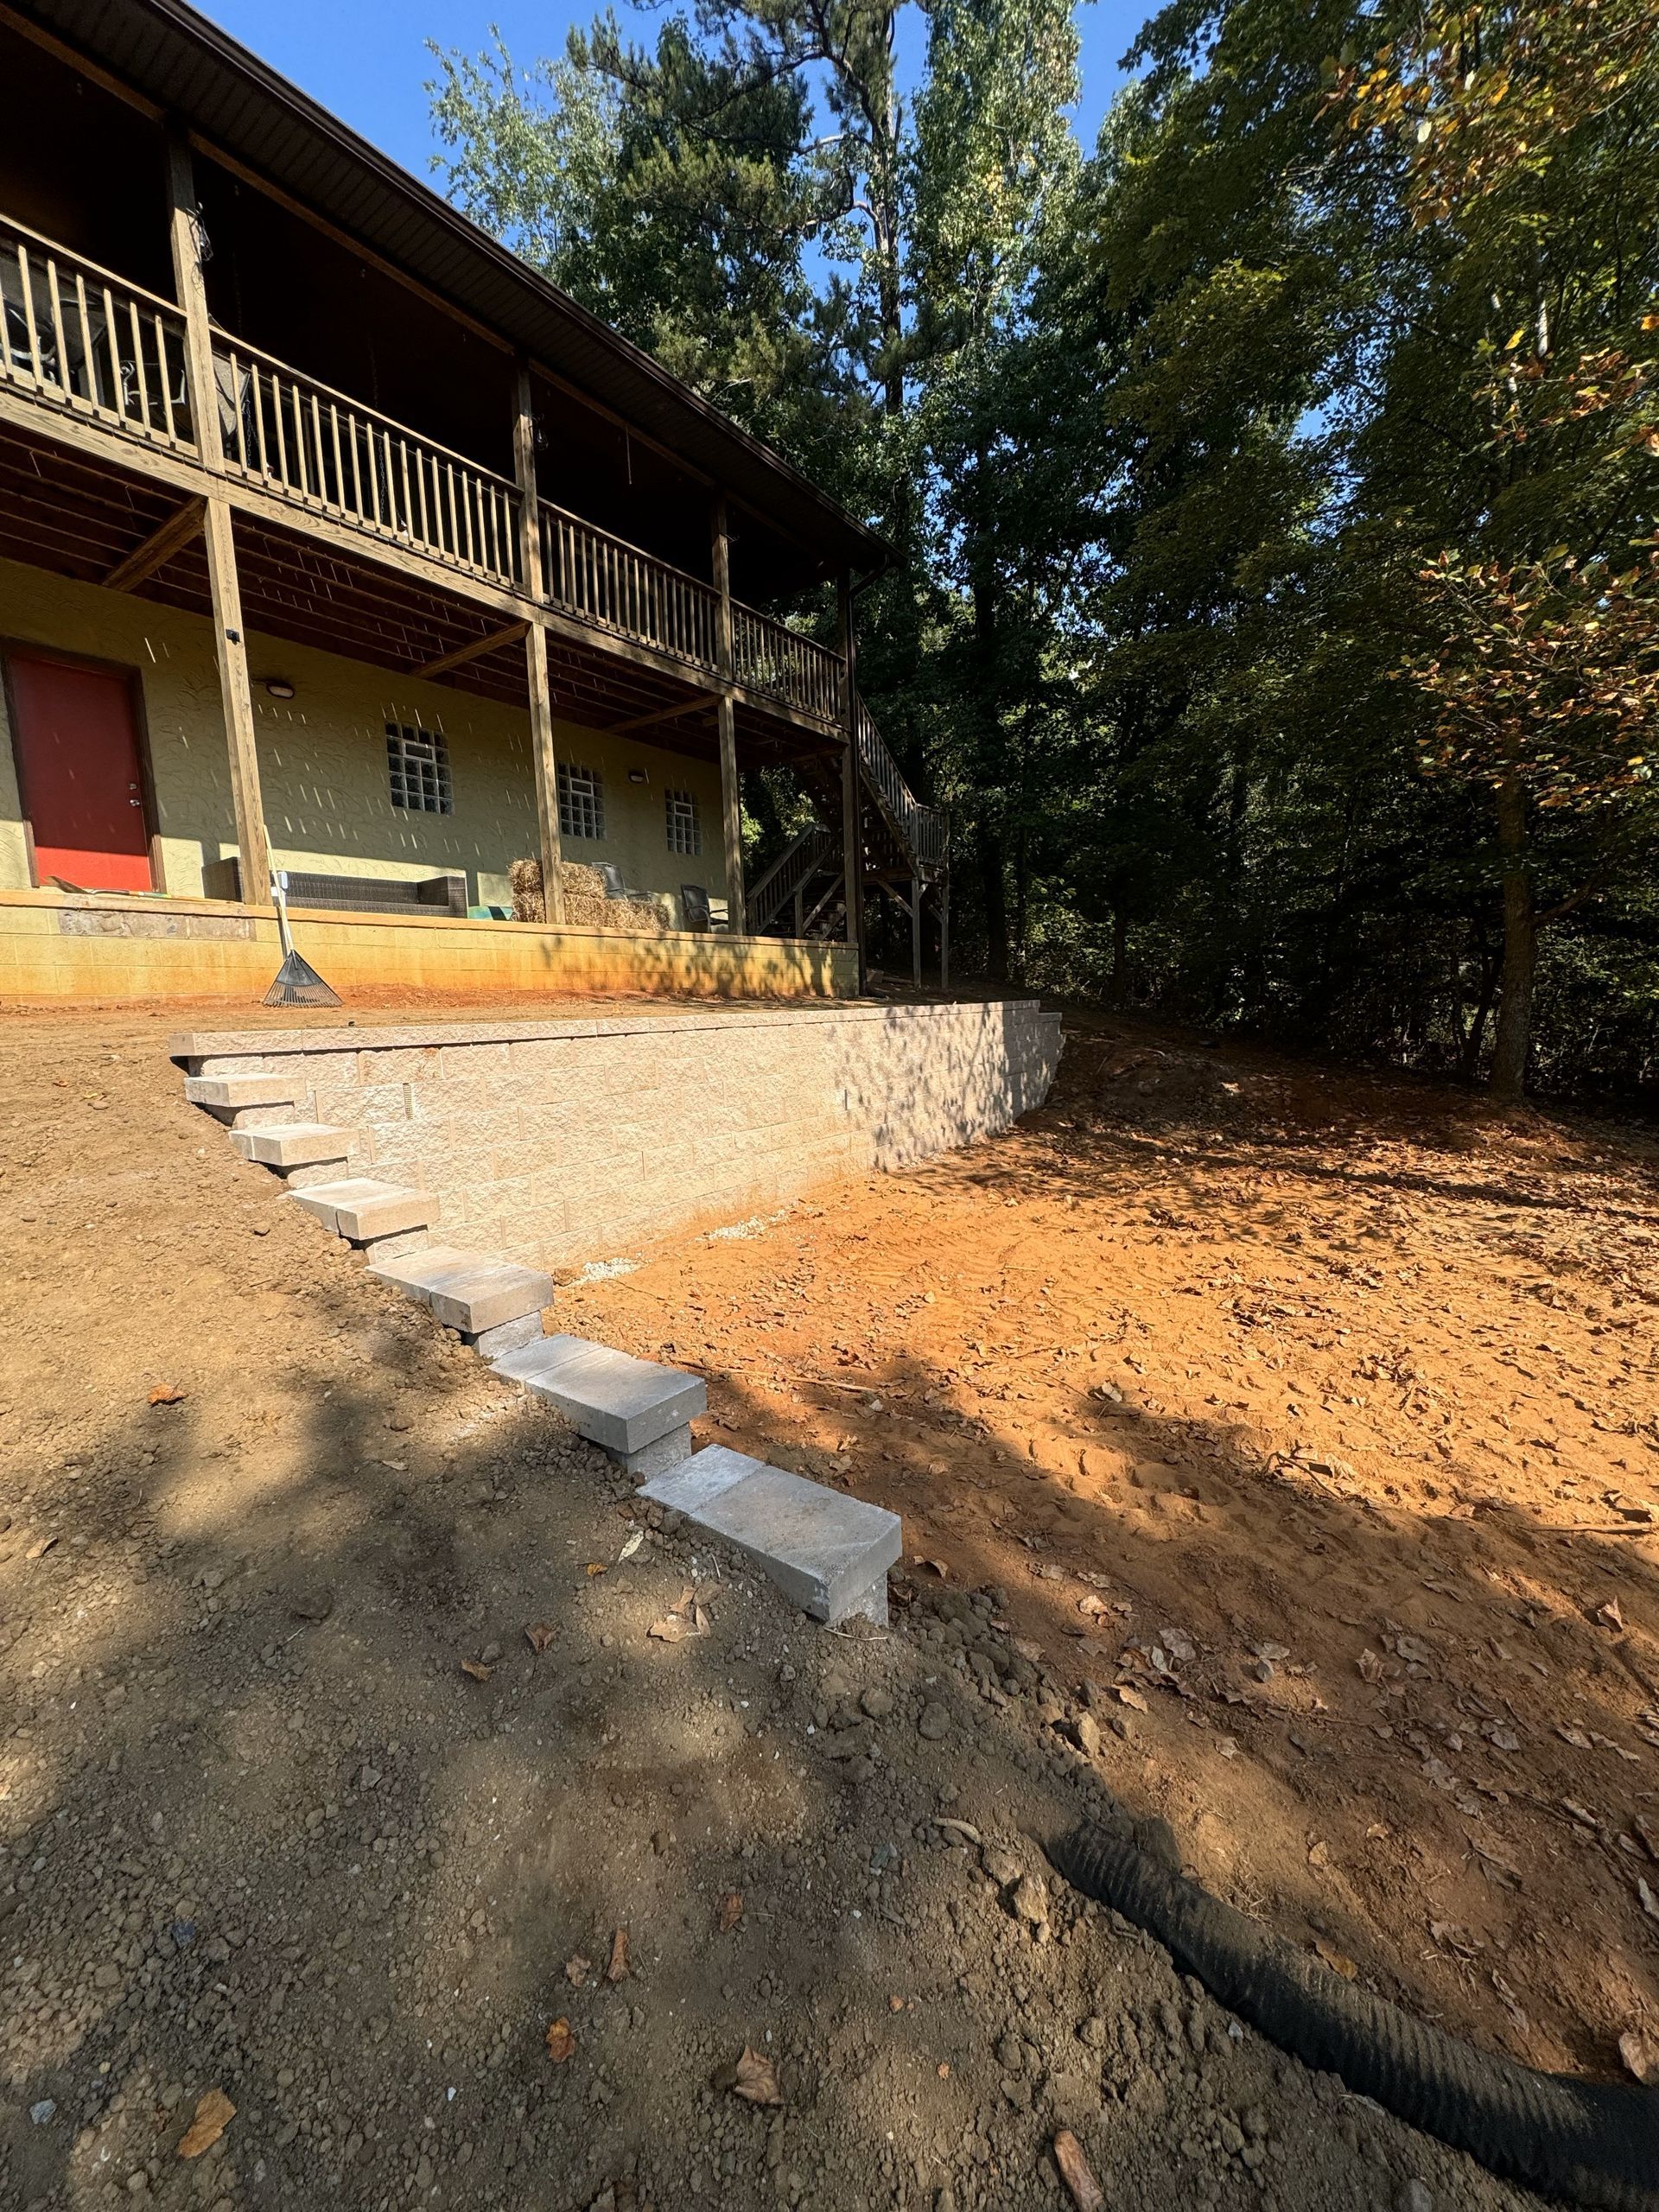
{"x": 1315, "y": 1420}
{"x": 297, "y": 1815}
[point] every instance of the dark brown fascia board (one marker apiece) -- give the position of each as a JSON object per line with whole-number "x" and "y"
{"x": 306, "y": 115}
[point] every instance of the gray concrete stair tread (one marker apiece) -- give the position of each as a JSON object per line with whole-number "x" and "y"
{"x": 231, "y": 1091}
{"x": 608, "y": 1396}
{"x": 361, "y": 1209}
{"x": 827, "y": 1553}
{"x": 418, "y": 1273}
{"x": 296, "y": 1144}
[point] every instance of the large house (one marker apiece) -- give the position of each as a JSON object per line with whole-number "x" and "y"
{"x": 335, "y": 541}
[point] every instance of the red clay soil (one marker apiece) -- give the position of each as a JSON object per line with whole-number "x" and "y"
{"x": 1313, "y": 1419}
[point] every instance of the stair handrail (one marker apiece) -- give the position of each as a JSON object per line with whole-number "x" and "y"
{"x": 920, "y": 829}
{"x": 798, "y": 860}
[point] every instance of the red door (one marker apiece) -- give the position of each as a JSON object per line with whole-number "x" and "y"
{"x": 77, "y": 746}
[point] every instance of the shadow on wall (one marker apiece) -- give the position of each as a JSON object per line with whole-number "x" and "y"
{"x": 940, "y": 1077}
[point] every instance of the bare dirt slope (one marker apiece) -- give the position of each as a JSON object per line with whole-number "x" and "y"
{"x": 295, "y": 1814}
{"x": 1315, "y": 1420}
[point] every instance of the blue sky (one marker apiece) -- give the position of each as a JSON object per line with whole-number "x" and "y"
{"x": 367, "y": 60}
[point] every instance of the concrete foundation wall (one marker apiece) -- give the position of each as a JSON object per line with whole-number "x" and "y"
{"x": 57, "y": 950}
{"x": 555, "y": 1143}
{"x": 323, "y": 758}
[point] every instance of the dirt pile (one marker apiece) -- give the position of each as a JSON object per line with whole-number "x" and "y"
{"x": 336, "y": 1748}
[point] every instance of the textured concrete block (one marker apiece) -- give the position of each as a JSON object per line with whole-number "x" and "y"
{"x": 618, "y": 1401}
{"x": 361, "y": 1208}
{"x": 226, "y": 1092}
{"x": 656, "y": 1459}
{"x": 829, "y": 1554}
{"x": 484, "y": 1296}
{"x": 380, "y": 1251}
{"x": 296, "y": 1144}
{"x": 507, "y": 1336}
{"x": 433, "y": 1264}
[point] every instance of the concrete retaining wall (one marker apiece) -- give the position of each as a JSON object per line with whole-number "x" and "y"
{"x": 559, "y": 1143}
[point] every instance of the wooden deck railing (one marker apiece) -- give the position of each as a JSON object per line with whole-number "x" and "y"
{"x": 314, "y": 446}
{"x": 922, "y": 827}
{"x": 767, "y": 656}
{"x": 90, "y": 343}
{"x": 606, "y": 582}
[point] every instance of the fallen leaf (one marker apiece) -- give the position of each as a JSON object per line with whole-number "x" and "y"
{"x": 1639, "y": 2052}
{"x": 1576, "y": 1736}
{"x": 168, "y": 1394}
{"x": 595, "y": 1566}
{"x": 934, "y": 1567}
{"x": 214, "y": 2113}
{"x": 577, "y": 1969}
{"x": 1609, "y": 1615}
{"x": 39, "y": 1550}
{"x": 731, "y": 1910}
{"x": 756, "y": 2080}
{"x": 1127, "y": 1696}
{"x": 560, "y": 2042}
{"x": 1083, "y": 2188}
{"x": 1338, "y": 1962}
{"x": 895, "y": 2004}
{"x": 618, "y": 1969}
{"x": 1093, "y": 1604}
{"x": 1371, "y": 1666}
{"x": 1318, "y": 1854}
{"x": 477, "y": 1669}
{"x": 540, "y": 1635}
{"x": 629, "y": 1545}
{"x": 944, "y": 2069}
{"x": 670, "y": 1629}
{"x": 1650, "y": 1902}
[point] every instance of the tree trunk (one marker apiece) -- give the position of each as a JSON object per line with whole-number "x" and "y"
{"x": 993, "y": 893}
{"x": 1513, "y": 1042}
{"x": 1117, "y": 988}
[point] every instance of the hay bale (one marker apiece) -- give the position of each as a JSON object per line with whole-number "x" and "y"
{"x": 528, "y": 901}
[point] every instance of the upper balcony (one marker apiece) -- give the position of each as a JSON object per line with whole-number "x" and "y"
{"x": 80, "y": 342}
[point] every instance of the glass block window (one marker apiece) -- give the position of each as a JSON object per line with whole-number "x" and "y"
{"x": 582, "y": 802}
{"x": 685, "y": 822}
{"x": 417, "y": 761}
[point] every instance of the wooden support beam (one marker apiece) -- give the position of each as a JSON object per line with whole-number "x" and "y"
{"x": 476, "y": 651}
{"x": 658, "y": 714}
{"x": 158, "y": 548}
{"x": 852, "y": 831}
{"x": 542, "y": 752}
{"x": 945, "y": 933}
{"x": 230, "y": 644}
{"x": 916, "y": 930}
{"x": 731, "y": 799}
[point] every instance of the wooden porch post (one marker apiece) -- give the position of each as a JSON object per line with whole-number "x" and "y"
{"x": 544, "y": 771}
{"x": 916, "y": 930}
{"x": 852, "y": 838}
{"x": 731, "y": 796}
{"x": 230, "y": 647}
{"x": 945, "y": 933}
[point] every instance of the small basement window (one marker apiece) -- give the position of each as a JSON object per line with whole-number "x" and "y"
{"x": 417, "y": 761}
{"x": 684, "y": 824}
{"x": 582, "y": 802}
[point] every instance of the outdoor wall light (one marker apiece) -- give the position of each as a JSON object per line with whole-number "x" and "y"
{"x": 638, "y": 776}
{"x": 279, "y": 687}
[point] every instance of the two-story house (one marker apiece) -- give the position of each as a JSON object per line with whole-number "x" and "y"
{"x": 334, "y": 540}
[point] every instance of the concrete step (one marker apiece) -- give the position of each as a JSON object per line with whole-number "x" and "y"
{"x": 828, "y": 1553}
{"x": 245, "y": 1102}
{"x": 225, "y": 1094}
{"x": 495, "y": 1304}
{"x": 628, "y": 1405}
{"x": 361, "y": 1210}
{"x": 296, "y": 1144}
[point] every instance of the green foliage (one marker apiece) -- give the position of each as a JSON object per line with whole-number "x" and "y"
{"x": 1271, "y": 488}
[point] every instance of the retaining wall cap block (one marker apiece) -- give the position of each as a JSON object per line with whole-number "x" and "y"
{"x": 298, "y": 1144}
{"x": 361, "y": 1208}
{"x": 233, "y": 1091}
{"x": 829, "y": 1554}
{"x": 484, "y": 1296}
{"x": 421, "y": 1273}
{"x": 608, "y": 1396}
